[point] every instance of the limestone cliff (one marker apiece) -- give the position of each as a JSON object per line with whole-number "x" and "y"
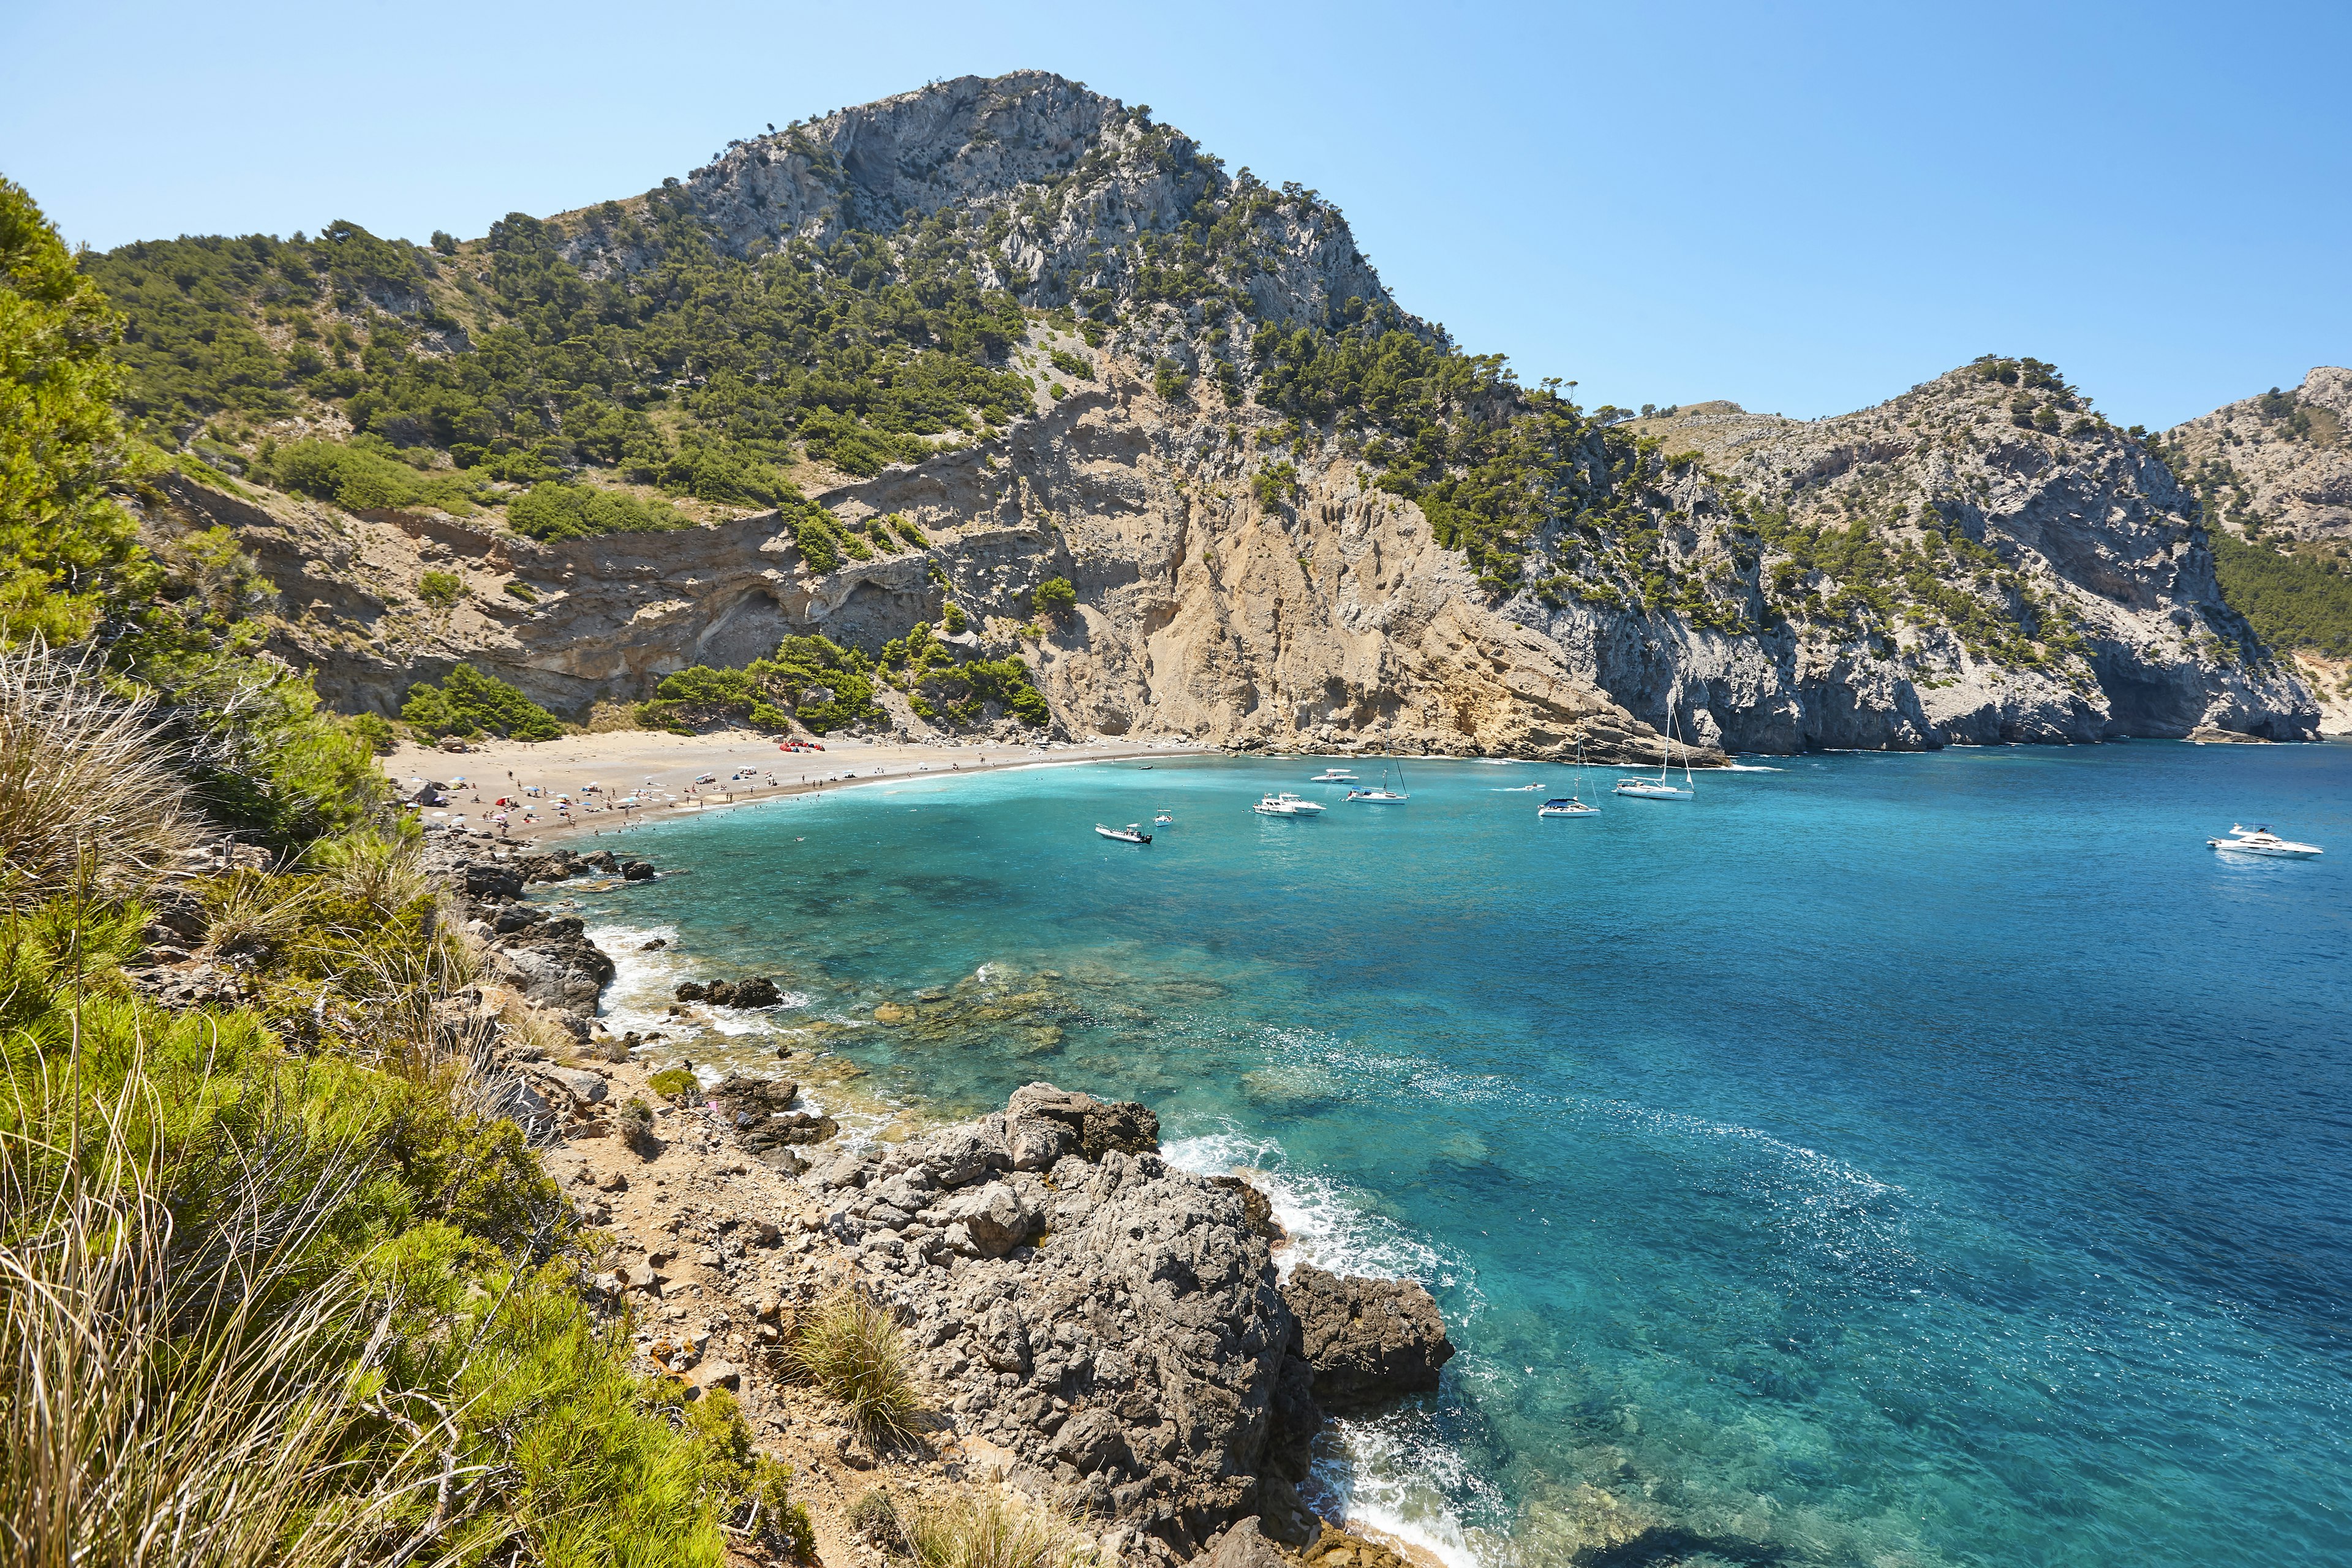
{"x": 1294, "y": 516}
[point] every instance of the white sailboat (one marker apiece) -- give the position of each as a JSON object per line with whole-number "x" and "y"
{"x": 1658, "y": 788}
{"x": 1381, "y": 794}
{"x": 1571, "y": 805}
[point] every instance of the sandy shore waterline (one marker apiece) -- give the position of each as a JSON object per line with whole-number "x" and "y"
{"x": 622, "y": 761}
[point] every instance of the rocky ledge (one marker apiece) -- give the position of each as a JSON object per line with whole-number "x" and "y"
{"x": 1115, "y": 1327}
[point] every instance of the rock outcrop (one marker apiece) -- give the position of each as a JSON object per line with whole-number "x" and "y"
{"x": 1369, "y": 1341}
{"x": 1112, "y": 1324}
{"x": 2288, "y": 458}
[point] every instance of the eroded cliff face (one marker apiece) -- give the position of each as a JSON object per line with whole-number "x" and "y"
{"x": 1330, "y": 618}
{"x": 1326, "y": 614}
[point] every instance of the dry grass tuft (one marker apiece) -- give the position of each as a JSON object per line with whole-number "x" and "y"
{"x": 968, "y": 1530}
{"x": 89, "y": 802}
{"x": 849, "y": 1347}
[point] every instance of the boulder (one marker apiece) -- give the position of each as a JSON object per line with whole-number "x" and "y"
{"x": 1101, "y": 1126}
{"x": 1244, "y": 1547}
{"x": 757, "y": 991}
{"x": 691, "y": 991}
{"x": 1368, "y": 1340}
{"x": 637, "y": 871}
{"x": 585, "y": 1087}
{"x": 994, "y": 1218}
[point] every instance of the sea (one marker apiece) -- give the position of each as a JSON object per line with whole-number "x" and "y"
{"x": 1901, "y": 1161}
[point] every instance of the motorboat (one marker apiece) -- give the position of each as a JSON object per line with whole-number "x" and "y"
{"x": 1131, "y": 834}
{"x": 1568, "y": 805}
{"x": 2260, "y": 840}
{"x": 1658, "y": 788}
{"x": 1163, "y": 820}
{"x": 1286, "y": 804}
{"x": 1381, "y": 794}
{"x": 1516, "y": 789}
{"x": 1300, "y": 803}
{"x": 1333, "y": 775}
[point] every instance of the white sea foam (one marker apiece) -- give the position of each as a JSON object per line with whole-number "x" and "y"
{"x": 1394, "y": 1476}
{"x": 1748, "y": 768}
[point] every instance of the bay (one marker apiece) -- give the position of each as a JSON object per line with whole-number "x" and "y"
{"x": 1886, "y": 1160}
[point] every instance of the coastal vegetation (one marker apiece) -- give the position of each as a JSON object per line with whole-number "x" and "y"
{"x": 276, "y": 1282}
{"x": 826, "y": 686}
{"x": 2291, "y": 600}
{"x": 468, "y": 703}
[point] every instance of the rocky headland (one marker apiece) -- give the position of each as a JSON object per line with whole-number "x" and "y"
{"x": 1088, "y": 1324}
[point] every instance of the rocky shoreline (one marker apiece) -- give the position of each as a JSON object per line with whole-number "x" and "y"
{"x": 1090, "y": 1326}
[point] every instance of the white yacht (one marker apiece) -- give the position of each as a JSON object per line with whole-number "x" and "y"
{"x": 1333, "y": 775}
{"x": 1286, "y": 804}
{"x": 2260, "y": 840}
{"x": 1658, "y": 788}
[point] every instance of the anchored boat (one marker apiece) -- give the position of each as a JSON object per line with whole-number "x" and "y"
{"x": 1131, "y": 834}
{"x": 2260, "y": 840}
{"x": 1658, "y": 788}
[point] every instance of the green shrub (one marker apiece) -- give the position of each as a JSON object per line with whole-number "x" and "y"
{"x": 360, "y": 478}
{"x": 440, "y": 589}
{"x": 909, "y": 533}
{"x": 555, "y": 512}
{"x": 803, "y": 665}
{"x": 469, "y": 702}
{"x": 671, "y": 1082}
{"x": 1071, "y": 365}
{"x": 523, "y": 591}
{"x": 1052, "y": 596}
{"x": 954, "y": 617}
{"x": 820, "y": 545}
{"x": 376, "y": 732}
{"x": 1274, "y": 484}
{"x": 1169, "y": 379}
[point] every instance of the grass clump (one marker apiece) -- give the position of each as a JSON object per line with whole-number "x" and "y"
{"x": 87, "y": 794}
{"x": 850, "y": 1348}
{"x": 968, "y": 1530}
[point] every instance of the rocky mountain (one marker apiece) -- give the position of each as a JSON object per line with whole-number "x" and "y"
{"x": 918, "y": 358}
{"x": 2283, "y": 458}
{"x": 2274, "y": 473}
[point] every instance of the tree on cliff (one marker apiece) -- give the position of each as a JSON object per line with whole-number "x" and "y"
{"x": 67, "y": 549}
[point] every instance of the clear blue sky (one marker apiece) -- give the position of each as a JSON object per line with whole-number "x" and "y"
{"x": 1805, "y": 209}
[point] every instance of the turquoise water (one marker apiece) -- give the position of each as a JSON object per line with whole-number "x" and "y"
{"x": 1883, "y": 1159}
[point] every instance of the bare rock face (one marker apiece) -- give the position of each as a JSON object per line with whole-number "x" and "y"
{"x": 1112, "y": 1323}
{"x": 1369, "y": 1341}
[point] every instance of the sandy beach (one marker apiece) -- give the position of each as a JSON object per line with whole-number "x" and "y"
{"x": 623, "y": 762}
